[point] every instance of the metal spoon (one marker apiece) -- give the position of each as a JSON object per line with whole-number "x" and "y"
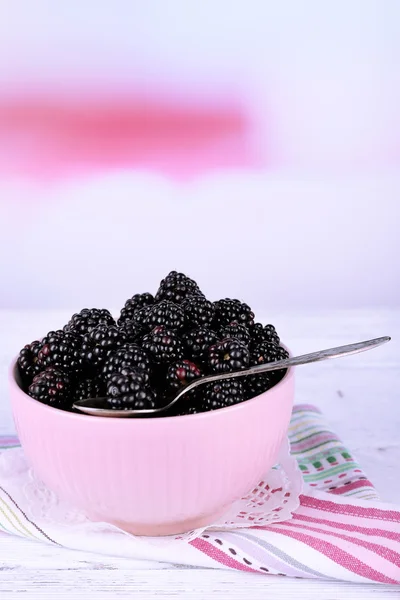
{"x": 97, "y": 406}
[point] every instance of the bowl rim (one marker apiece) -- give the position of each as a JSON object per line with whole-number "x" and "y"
{"x": 289, "y": 375}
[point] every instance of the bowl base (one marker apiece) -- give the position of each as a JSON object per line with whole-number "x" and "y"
{"x": 161, "y": 529}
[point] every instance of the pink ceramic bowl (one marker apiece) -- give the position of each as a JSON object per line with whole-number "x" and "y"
{"x": 156, "y": 476}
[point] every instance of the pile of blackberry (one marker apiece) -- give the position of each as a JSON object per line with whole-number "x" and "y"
{"x": 158, "y": 344}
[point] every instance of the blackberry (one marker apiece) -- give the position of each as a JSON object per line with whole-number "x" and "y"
{"x": 28, "y": 360}
{"x": 227, "y": 311}
{"x": 89, "y": 388}
{"x": 163, "y": 346}
{"x": 257, "y": 334}
{"x": 164, "y": 313}
{"x": 129, "y": 389}
{"x": 260, "y": 333}
{"x": 99, "y": 342}
{"x": 61, "y": 350}
{"x": 266, "y": 352}
{"x": 197, "y": 343}
{"x": 199, "y": 312}
{"x": 134, "y": 304}
{"x": 271, "y": 334}
{"x": 221, "y": 394}
{"x": 132, "y": 331}
{"x": 237, "y": 331}
{"x": 88, "y": 318}
{"x": 227, "y": 356}
{"x": 192, "y": 409}
{"x": 181, "y": 373}
{"x": 129, "y": 356}
{"x": 175, "y": 287}
{"x": 254, "y": 385}
{"x": 51, "y": 386}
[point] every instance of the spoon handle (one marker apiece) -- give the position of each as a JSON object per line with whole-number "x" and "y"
{"x": 290, "y": 362}
{"x": 323, "y": 354}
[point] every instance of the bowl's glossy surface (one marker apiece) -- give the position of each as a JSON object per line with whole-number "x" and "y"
{"x": 155, "y": 476}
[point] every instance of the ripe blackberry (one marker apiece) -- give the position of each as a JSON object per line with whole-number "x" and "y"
{"x": 163, "y": 346}
{"x": 28, "y": 360}
{"x": 254, "y": 385}
{"x": 132, "y": 331}
{"x": 129, "y": 356}
{"x": 129, "y": 389}
{"x": 191, "y": 409}
{"x": 257, "y": 334}
{"x": 88, "y": 318}
{"x": 237, "y": 331}
{"x": 227, "y": 356}
{"x": 175, "y": 287}
{"x": 260, "y": 333}
{"x": 199, "y": 312}
{"x": 271, "y": 334}
{"x": 181, "y": 373}
{"x": 51, "y": 386}
{"x": 227, "y": 311}
{"x": 197, "y": 343}
{"x": 61, "y": 350}
{"x": 266, "y": 352}
{"x": 164, "y": 313}
{"x": 99, "y": 342}
{"x": 134, "y": 304}
{"x": 89, "y": 388}
{"x": 221, "y": 394}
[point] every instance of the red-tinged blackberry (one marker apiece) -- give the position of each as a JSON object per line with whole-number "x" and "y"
{"x": 134, "y": 304}
{"x": 227, "y": 356}
{"x": 175, "y": 287}
{"x": 164, "y": 313}
{"x": 228, "y": 310}
{"x": 89, "y": 388}
{"x": 129, "y": 356}
{"x": 129, "y": 389}
{"x": 221, "y": 394}
{"x": 61, "y": 350}
{"x": 237, "y": 331}
{"x": 51, "y": 386}
{"x": 28, "y": 360}
{"x": 163, "y": 345}
{"x": 87, "y": 319}
{"x": 99, "y": 342}
{"x": 181, "y": 373}
{"x": 260, "y": 333}
{"x": 197, "y": 343}
{"x": 199, "y": 312}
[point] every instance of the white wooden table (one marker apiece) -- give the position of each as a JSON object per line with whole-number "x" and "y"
{"x": 360, "y": 395}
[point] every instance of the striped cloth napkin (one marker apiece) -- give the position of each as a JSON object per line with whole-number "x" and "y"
{"x": 340, "y": 531}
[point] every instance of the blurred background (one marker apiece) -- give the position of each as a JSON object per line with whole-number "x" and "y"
{"x": 253, "y": 145}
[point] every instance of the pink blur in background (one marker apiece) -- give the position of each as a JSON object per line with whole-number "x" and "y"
{"x": 140, "y": 137}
